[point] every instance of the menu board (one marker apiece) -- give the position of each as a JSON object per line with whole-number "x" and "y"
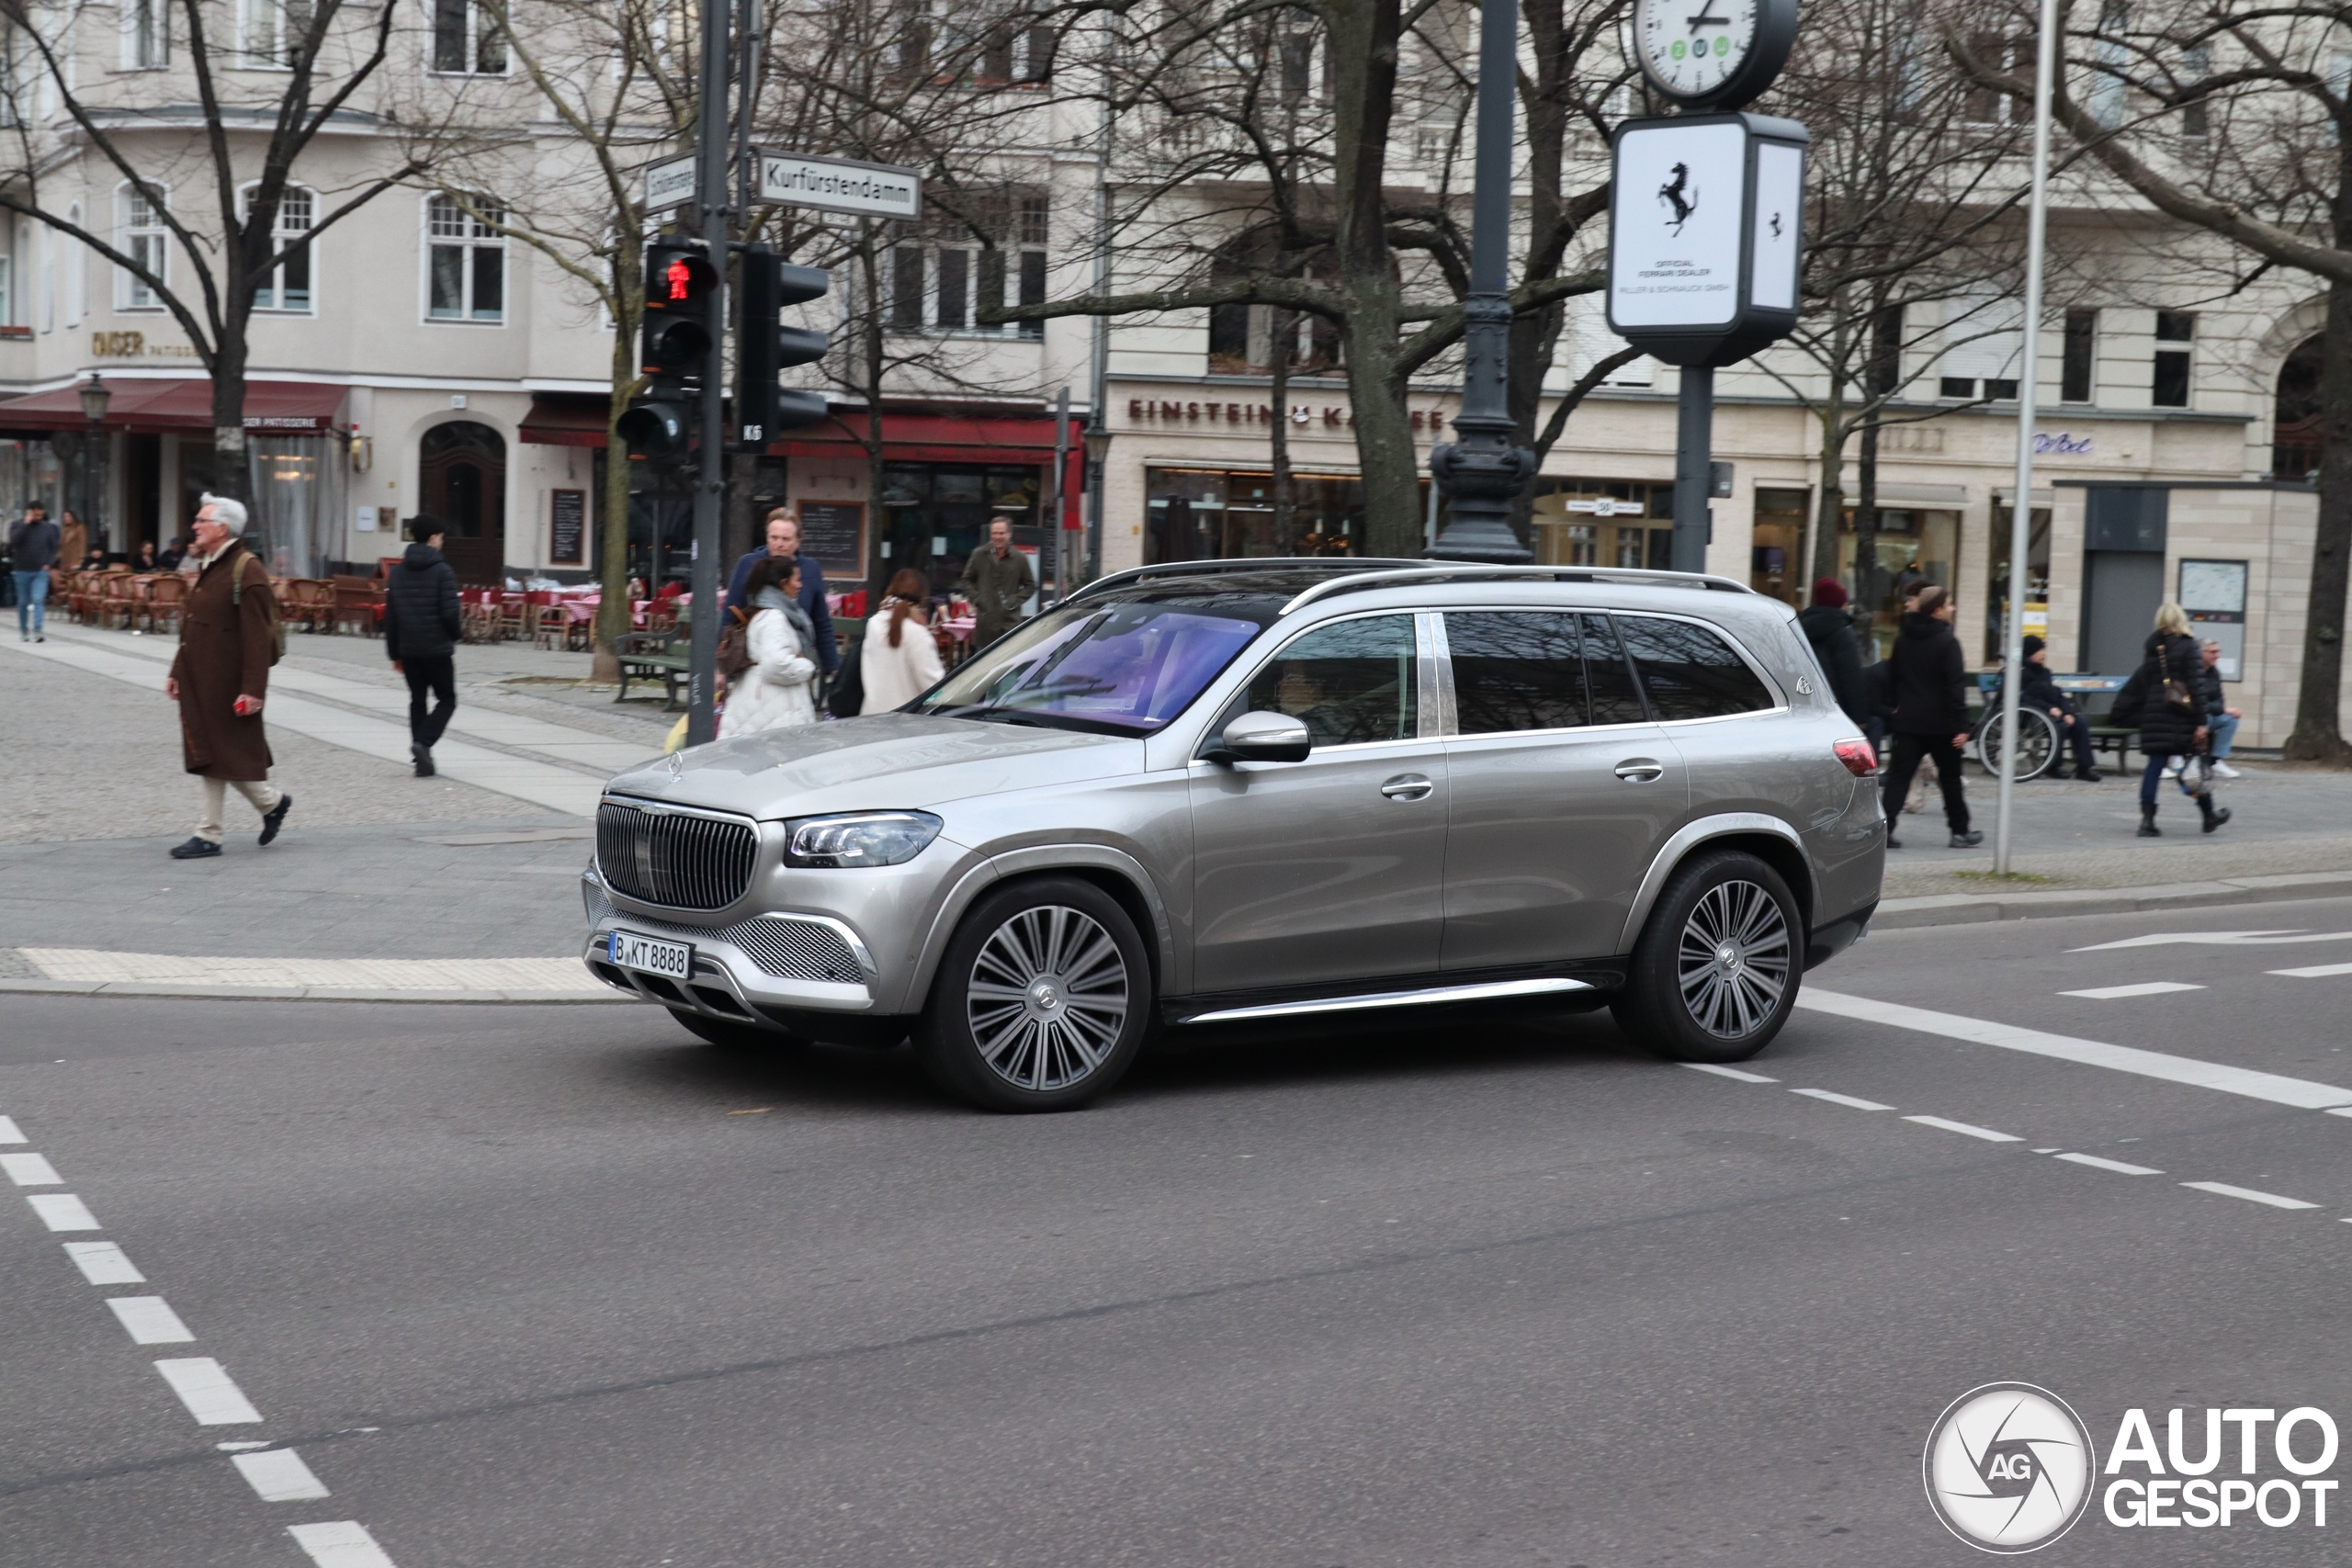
{"x": 834, "y": 532}
{"x": 2213, "y": 592}
{"x": 568, "y": 541}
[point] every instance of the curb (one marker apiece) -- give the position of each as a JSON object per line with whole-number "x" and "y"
{"x": 1971, "y": 909}
{"x": 305, "y": 993}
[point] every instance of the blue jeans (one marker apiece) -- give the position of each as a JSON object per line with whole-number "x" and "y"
{"x": 2150, "y": 776}
{"x": 2224, "y": 727}
{"x": 33, "y": 599}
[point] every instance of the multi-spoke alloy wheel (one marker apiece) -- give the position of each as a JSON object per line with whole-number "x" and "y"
{"x": 1716, "y": 969}
{"x": 1041, "y": 999}
{"x": 1047, "y": 999}
{"x": 1734, "y": 963}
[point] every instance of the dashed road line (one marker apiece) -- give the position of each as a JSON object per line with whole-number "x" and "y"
{"x": 2315, "y": 971}
{"x": 1846, "y": 1099}
{"x": 2249, "y": 1194}
{"x": 149, "y": 1320}
{"x": 104, "y": 1263}
{"x": 9, "y": 1133}
{"x": 211, "y": 1394}
{"x": 1735, "y": 1073}
{"x": 2098, "y": 1163}
{"x": 63, "y": 1212}
{"x": 279, "y": 1475}
{"x": 2146, "y": 988}
{"x": 1967, "y": 1128}
{"x": 31, "y": 1170}
{"x": 342, "y": 1544}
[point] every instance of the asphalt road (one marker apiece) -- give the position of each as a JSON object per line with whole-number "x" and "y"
{"x": 562, "y": 1287}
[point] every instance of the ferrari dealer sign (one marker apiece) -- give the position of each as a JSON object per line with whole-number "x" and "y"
{"x": 1675, "y": 229}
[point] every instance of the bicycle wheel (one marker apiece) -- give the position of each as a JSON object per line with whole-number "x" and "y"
{"x": 2036, "y": 744}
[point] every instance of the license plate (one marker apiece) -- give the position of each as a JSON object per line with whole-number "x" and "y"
{"x": 654, "y": 957}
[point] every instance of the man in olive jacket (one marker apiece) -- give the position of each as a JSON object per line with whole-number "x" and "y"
{"x": 228, "y": 641}
{"x": 998, "y": 582}
{"x": 422, "y": 626}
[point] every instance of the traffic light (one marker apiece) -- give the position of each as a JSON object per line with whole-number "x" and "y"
{"x": 673, "y": 349}
{"x": 763, "y": 348}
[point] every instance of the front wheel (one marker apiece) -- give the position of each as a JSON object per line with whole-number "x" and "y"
{"x": 1042, "y": 1000}
{"x": 1715, "y": 975}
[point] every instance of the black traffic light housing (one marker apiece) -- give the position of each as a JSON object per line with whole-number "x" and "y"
{"x": 763, "y": 348}
{"x": 673, "y": 349}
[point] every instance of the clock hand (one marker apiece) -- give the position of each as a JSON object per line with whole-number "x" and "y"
{"x": 1706, "y": 15}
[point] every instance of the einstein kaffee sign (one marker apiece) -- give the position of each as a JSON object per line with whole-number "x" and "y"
{"x": 1195, "y": 411}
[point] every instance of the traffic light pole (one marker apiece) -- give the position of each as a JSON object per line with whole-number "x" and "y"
{"x": 711, "y": 203}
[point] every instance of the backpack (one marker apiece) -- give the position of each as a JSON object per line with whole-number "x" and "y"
{"x": 847, "y": 697}
{"x": 277, "y": 626}
{"x": 734, "y": 645}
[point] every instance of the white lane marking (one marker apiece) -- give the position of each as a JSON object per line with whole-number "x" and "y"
{"x": 2116, "y": 993}
{"x": 2216, "y": 939}
{"x": 2096, "y": 1163}
{"x": 1841, "y": 1099}
{"x": 2301, "y": 1093}
{"x": 343, "y": 1544}
{"x": 1986, "y": 1133}
{"x": 31, "y": 1170}
{"x": 1728, "y": 1073}
{"x": 151, "y": 1320}
{"x": 2249, "y": 1194}
{"x": 9, "y": 1132}
{"x": 63, "y": 1211}
{"x": 2045, "y": 1151}
{"x": 205, "y": 1387}
{"x": 279, "y": 1475}
{"x": 2316, "y": 971}
{"x": 104, "y": 1263}
{"x": 238, "y": 1448}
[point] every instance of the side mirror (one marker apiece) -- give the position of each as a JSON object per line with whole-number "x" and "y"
{"x": 1263, "y": 738}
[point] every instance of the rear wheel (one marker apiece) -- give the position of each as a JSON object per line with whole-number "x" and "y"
{"x": 1042, "y": 1000}
{"x": 1715, "y": 973}
{"x": 733, "y": 1036}
{"x": 2036, "y": 743}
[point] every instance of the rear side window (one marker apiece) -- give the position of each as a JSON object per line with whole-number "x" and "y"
{"x": 1352, "y": 682}
{"x": 1516, "y": 669}
{"x": 1615, "y": 699}
{"x": 1690, "y": 672}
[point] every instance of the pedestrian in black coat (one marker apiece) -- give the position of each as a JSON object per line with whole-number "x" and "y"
{"x": 1930, "y": 682}
{"x": 2040, "y": 690}
{"x": 422, "y": 626}
{"x": 1831, "y": 630}
{"x": 2166, "y": 729}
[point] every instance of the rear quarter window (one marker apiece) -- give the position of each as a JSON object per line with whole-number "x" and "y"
{"x": 1690, "y": 670}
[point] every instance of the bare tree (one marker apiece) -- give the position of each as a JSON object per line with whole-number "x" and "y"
{"x": 254, "y": 127}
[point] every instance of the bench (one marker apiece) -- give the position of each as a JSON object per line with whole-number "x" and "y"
{"x": 647, "y": 655}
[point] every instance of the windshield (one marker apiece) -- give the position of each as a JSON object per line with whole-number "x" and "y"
{"x": 1124, "y": 667}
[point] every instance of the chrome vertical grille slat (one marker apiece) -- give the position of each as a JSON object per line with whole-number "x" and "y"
{"x": 675, "y": 860}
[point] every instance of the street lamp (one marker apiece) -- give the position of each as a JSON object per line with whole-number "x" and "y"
{"x": 1098, "y": 448}
{"x": 95, "y": 395}
{"x": 1482, "y": 473}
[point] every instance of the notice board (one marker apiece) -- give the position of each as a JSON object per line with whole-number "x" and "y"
{"x": 834, "y": 532}
{"x": 568, "y": 527}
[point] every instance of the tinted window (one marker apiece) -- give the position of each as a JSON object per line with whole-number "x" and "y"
{"x": 1351, "y": 682}
{"x": 1126, "y": 668}
{"x": 1690, "y": 671}
{"x": 1615, "y": 699}
{"x": 1515, "y": 670}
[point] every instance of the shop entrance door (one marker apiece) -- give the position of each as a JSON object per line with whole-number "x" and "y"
{"x": 461, "y": 473}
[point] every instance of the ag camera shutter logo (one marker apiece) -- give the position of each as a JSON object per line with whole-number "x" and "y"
{"x": 2009, "y": 1468}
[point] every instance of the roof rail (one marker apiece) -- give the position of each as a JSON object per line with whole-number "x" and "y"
{"x": 1237, "y": 563}
{"x": 1418, "y": 573}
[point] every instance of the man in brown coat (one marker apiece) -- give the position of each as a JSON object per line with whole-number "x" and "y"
{"x": 228, "y": 641}
{"x": 998, "y": 582}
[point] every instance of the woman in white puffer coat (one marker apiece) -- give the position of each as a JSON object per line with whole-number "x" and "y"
{"x": 898, "y": 661}
{"x": 779, "y": 690}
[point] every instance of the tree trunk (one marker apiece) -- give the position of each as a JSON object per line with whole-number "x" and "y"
{"x": 1285, "y": 339}
{"x": 871, "y": 359}
{"x": 1866, "y": 521}
{"x": 1829, "y": 514}
{"x": 613, "y": 607}
{"x": 230, "y": 477}
{"x": 2318, "y": 735}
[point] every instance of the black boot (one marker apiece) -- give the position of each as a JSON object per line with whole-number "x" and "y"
{"x": 2148, "y": 829}
{"x": 2214, "y": 816}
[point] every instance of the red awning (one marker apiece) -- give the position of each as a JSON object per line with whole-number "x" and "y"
{"x": 150, "y": 407}
{"x": 564, "y": 419}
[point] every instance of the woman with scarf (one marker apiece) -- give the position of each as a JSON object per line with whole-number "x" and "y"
{"x": 900, "y": 661}
{"x": 778, "y": 691}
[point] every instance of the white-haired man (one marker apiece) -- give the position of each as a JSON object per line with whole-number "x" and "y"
{"x": 228, "y": 641}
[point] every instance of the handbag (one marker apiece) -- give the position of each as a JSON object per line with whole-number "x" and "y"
{"x": 734, "y": 645}
{"x": 846, "y": 698}
{"x": 2177, "y": 694}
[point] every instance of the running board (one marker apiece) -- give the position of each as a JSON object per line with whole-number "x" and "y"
{"x": 1496, "y": 990}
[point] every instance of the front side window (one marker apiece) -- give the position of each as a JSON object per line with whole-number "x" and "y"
{"x": 466, "y": 260}
{"x": 466, "y": 40}
{"x": 1516, "y": 669}
{"x": 286, "y": 286}
{"x": 1124, "y": 668}
{"x": 1352, "y": 682}
{"x": 143, "y": 242}
{"x": 1690, "y": 672}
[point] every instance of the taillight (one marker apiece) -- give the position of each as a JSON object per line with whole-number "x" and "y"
{"x": 1860, "y": 760}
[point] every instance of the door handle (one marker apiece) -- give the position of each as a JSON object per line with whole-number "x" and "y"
{"x": 1407, "y": 786}
{"x": 1640, "y": 770}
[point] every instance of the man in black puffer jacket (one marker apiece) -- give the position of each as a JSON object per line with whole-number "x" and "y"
{"x": 422, "y": 626}
{"x": 1930, "y": 711}
{"x": 2166, "y": 731}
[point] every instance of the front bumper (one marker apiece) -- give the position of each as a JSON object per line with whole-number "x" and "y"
{"x": 798, "y": 963}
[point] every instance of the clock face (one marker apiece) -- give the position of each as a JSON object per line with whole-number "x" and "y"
{"x": 1692, "y": 48}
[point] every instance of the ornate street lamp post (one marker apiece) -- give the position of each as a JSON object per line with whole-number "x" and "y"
{"x": 1483, "y": 472}
{"x": 1098, "y": 447}
{"x": 95, "y": 395}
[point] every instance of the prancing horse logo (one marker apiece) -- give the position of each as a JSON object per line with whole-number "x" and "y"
{"x": 1681, "y": 195}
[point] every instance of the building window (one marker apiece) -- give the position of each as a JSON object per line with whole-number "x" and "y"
{"x": 288, "y": 286}
{"x": 942, "y": 39}
{"x": 940, "y": 287}
{"x": 2195, "y": 64}
{"x": 7, "y": 292}
{"x": 143, "y": 239}
{"x": 1986, "y": 105}
{"x": 1956, "y": 387}
{"x": 273, "y": 31}
{"x": 2076, "y": 360}
{"x": 467, "y": 40}
{"x": 466, "y": 263}
{"x": 2172, "y": 378}
{"x": 146, "y": 34}
{"x": 2110, "y": 63}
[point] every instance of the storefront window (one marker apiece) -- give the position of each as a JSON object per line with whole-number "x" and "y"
{"x": 297, "y": 493}
{"x": 935, "y": 514}
{"x": 1621, "y": 523}
{"x": 29, "y": 471}
{"x": 1218, "y": 514}
{"x": 2037, "y": 580}
{"x": 1776, "y": 553}
{"x": 1913, "y": 549}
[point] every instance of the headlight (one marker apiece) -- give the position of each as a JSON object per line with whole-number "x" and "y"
{"x": 863, "y": 838}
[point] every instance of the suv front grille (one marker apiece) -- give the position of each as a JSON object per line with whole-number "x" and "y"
{"x": 684, "y": 862}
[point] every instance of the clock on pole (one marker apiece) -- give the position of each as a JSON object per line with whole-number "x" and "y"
{"x": 1715, "y": 54}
